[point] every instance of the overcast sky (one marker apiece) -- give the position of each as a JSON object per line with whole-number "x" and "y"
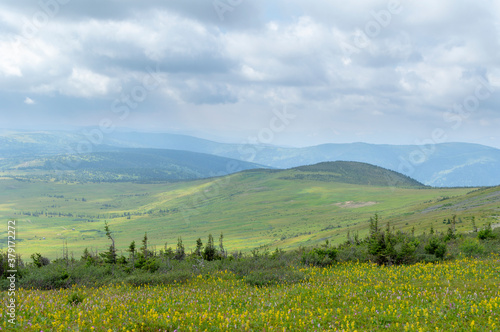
{"x": 291, "y": 72}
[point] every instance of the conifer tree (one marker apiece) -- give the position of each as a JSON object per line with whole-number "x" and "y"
{"x": 179, "y": 251}
{"x": 199, "y": 246}
{"x": 110, "y": 255}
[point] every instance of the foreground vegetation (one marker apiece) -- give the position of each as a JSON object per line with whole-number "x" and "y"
{"x": 143, "y": 265}
{"x": 388, "y": 280}
{"x": 459, "y": 295}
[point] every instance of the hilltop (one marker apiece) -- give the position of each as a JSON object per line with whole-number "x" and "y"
{"x": 353, "y": 173}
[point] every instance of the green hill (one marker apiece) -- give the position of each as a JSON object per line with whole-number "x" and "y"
{"x": 353, "y": 173}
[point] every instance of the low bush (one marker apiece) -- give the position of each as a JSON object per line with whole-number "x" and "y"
{"x": 471, "y": 247}
{"x": 436, "y": 247}
{"x": 486, "y": 233}
{"x": 324, "y": 256}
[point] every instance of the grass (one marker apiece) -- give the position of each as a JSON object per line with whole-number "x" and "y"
{"x": 252, "y": 209}
{"x": 460, "y": 295}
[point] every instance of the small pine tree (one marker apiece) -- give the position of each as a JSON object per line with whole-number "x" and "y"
{"x": 86, "y": 255}
{"x": 356, "y": 238}
{"x": 131, "y": 250}
{"x": 199, "y": 246}
{"x": 436, "y": 247}
{"x": 374, "y": 225}
{"x": 179, "y": 251}
{"x": 486, "y": 233}
{"x": 110, "y": 255}
{"x": 450, "y": 235}
{"x": 144, "y": 248}
{"x": 222, "y": 252}
{"x": 210, "y": 252}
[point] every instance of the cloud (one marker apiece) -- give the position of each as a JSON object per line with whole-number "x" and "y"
{"x": 345, "y": 67}
{"x": 29, "y": 101}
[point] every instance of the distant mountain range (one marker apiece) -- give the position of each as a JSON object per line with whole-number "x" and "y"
{"x": 441, "y": 165}
{"x": 129, "y": 164}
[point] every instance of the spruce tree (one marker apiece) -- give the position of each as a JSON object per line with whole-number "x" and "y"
{"x": 131, "y": 250}
{"x": 209, "y": 253}
{"x": 199, "y": 246}
{"x": 110, "y": 255}
{"x": 179, "y": 251}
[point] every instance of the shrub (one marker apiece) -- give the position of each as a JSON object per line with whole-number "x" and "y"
{"x": 381, "y": 247}
{"x": 472, "y": 247}
{"x": 151, "y": 265}
{"x": 46, "y": 278}
{"x": 76, "y": 298}
{"x": 436, "y": 247}
{"x": 320, "y": 257}
{"x": 353, "y": 253}
{"x": 39, "y": 260}
{"x": 486, "y": 233}
{"x": 406, "y": 253}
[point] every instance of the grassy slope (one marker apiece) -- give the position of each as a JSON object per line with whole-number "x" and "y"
{"x": 251, "y": 208}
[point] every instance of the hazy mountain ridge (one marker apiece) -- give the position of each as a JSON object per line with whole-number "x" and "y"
{"x": 131, "y": 165}
{"x": 445, "y": 164}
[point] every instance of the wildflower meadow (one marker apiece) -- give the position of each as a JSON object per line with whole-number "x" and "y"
{"x": 458, "y": 295}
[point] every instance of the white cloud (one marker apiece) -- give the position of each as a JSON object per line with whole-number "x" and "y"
{"x": 29, "y": 101}
{"x": 85, "y": 83}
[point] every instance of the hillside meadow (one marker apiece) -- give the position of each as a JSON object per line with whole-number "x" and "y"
{"x": 459, "y": 295}
{"x": 254, "y": 209}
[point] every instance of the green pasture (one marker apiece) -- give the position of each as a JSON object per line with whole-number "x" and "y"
{"x": 252, "y": 209}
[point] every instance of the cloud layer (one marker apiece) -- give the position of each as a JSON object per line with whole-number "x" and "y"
{"x": 375, "y": 71}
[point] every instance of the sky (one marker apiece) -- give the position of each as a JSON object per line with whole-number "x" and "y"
{"x": 291, "y": 73}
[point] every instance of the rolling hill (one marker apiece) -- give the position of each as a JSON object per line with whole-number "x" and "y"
{"x": 143, "y": 165}
{"x": 253, "y": 208}
{"x": 353, "y": 173}
{"x": 441, "y": 165}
